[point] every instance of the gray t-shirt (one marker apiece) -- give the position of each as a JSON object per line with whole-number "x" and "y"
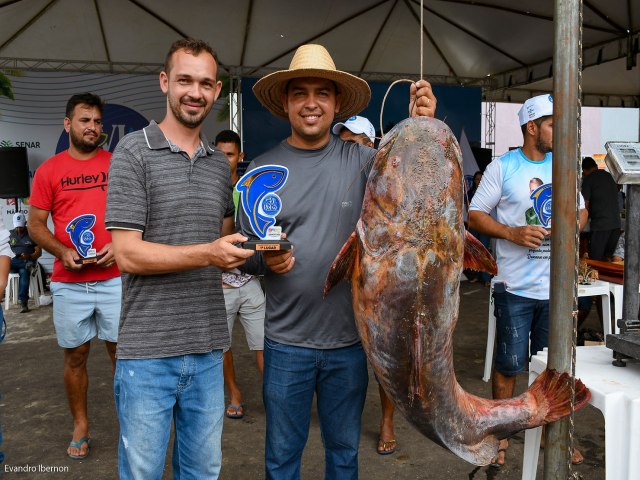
{"x": 321, "y": 203}
{"x": 174, "y": 200}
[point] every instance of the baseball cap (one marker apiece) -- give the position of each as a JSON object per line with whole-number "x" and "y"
{"x": 357, "y": 125}
{"x": 536, "y": 107}
{"x": 19, "y": 220}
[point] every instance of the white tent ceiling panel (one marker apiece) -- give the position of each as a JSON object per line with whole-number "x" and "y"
{"x": 510, "y": 41}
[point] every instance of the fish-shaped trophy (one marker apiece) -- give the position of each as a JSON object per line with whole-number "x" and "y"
{"x": 79, "y": 230}
{"x": 261, "y": 205}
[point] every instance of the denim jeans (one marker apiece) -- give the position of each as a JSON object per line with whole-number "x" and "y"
{"x": 517, "y": 318}
{"x": 291, "y": 377}
{"x": 149, "y": 394}
{"x": 20, "y": 267}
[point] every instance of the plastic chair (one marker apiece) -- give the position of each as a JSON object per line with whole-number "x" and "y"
{"x": 36, "y": 288}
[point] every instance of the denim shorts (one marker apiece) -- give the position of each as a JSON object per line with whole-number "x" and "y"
{"x": 83, "y": 310}
{"x": 517, "y": 319}
{"x": 247, "y": 303}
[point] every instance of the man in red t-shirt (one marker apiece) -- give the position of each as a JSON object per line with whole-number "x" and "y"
{"x": 86, "y": 287}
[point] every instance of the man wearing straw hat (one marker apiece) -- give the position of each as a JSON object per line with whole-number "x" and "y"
{"x": 311, "y": 344}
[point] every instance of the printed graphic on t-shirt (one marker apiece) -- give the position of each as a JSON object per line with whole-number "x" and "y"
{"x": 79, "y": 230}
{"x": 85, "y": 182}
{"x": 540, "y": 212}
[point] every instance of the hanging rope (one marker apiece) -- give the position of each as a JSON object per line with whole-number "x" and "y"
{"x": 405, "y": 80}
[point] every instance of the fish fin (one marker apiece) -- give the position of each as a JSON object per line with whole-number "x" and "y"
{"x": 552, "y": 392}
{"x": 342, "y": 266}
{"x": 477, "y": 257}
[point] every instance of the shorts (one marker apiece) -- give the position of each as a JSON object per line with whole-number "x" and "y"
{"x": 517, "y": 319}
{"x": 248, "y": 303}
{"x": 82, "y": 310}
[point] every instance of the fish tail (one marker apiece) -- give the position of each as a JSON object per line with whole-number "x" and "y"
{"x": 552, "y": 392}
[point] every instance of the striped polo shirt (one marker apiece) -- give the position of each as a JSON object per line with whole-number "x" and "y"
{"x": 155, "y": 188}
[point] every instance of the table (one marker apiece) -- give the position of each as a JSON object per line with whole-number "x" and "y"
{"x": 615, "y": 391}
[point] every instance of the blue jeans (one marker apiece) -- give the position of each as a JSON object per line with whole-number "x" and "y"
{"x": 20, "y": 267}
{"x": 291, "y": 377}
{"x": 517, "y": 318}
{"x": 149, "y": 394}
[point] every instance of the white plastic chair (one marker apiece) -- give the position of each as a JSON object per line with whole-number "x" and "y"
{"x": 36, "y": 288}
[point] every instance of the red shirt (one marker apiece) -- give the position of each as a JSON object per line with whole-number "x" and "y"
{"x": 75, "y": 192}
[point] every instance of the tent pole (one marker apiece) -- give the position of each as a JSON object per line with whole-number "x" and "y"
{"x": 564, "y": 237}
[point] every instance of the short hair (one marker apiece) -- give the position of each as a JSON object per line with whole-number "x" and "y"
{"x": 189, "y": 45}
{"x": 228, "y": 136}
{"x": 588, "y": 162}
{"x": 538, "y": 121}
{"x": 86, "y": 98}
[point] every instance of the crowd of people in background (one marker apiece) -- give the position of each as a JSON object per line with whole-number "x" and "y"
{"x": 162, "y": 283}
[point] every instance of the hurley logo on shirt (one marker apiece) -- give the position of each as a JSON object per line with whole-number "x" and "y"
{"x": 85, "y": 182}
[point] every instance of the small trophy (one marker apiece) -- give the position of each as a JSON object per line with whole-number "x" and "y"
{"x": 261, "y": 204}
{"x": 79, "y": 230}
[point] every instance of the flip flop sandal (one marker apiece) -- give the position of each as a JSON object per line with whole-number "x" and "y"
{"x": 236, "y": 415}
{"x": 383, "y": 447}
{"x": 78, "y": 445}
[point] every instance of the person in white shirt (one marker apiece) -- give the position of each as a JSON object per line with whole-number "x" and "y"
{"x": 518, "y": 186}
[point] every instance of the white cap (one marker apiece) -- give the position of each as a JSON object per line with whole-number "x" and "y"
{"x": 19, "y": 220}
{"x": 357, "y": 125}
{"x": 536, "y": 107}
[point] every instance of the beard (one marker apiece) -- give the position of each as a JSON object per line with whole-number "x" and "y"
{"x": 186, "y": 119}
{"x": 78, "y": 141}
{"x": 543, "y": 147}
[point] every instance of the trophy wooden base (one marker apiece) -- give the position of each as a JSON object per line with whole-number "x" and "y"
{"x": 88, "y": 260}
{"x": 267, "y": 245}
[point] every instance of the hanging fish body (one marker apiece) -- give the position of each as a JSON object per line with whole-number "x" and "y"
{"x": 404, "y": 261}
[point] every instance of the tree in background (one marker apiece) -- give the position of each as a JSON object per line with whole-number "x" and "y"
{"x": 5, "y": 86}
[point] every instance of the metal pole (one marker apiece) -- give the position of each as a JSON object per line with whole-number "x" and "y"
{"x": 564, "y": 237}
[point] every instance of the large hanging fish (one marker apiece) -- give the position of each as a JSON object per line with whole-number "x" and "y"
{"x": 404, "y": 261}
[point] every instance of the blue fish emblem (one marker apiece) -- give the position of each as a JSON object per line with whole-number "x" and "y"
{"x": 79, "y": 230}
{"x": 541, "y": 197}
{"x": 257, "y": 193}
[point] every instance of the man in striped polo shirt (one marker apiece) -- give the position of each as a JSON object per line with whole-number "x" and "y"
{"x": 170, "y": 211}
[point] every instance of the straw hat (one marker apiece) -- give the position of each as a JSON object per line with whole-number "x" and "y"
{"x": 313, "y": 61}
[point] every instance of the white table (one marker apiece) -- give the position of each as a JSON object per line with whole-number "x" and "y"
{"x": 615, "y": 289}
{"x": 615, "y": 391}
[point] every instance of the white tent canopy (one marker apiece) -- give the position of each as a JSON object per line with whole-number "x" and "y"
{"x": 502, "y": 45}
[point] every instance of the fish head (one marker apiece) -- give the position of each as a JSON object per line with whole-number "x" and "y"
{"x": 416, "y": 182}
